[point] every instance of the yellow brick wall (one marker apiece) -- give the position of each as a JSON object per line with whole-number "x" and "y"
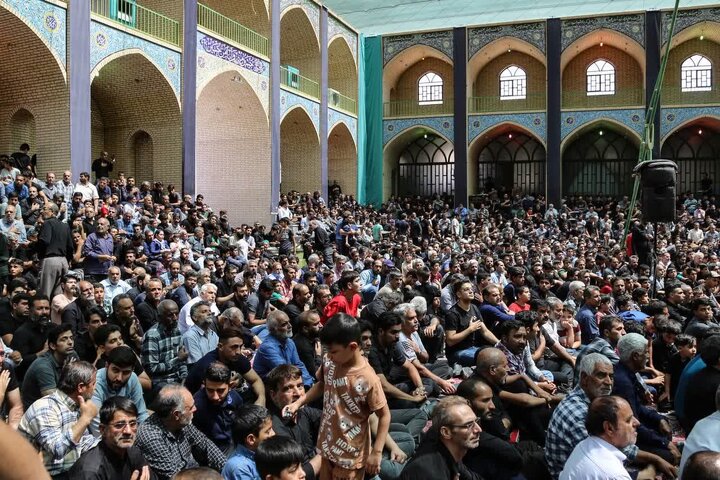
{"x": 407, "y": 85}
{"x": 299, "y": 153}
{"x": 169, "y": 8}
{"x": 342, "y": 160}
{"x": 250, "y": 13}
{"x": 671, "y": 84}
{"x": 487, "y": 83}
{"x": 298, "y": 44}
{"x": 233, "y": 151}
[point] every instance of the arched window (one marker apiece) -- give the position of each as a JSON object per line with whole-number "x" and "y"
{"x": 696, "y": 74}
{"x": 601, "y": 78}
{"x": 513, "y": 83}
{"x": 430, "y": 89}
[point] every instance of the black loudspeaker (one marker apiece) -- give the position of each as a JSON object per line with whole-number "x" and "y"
{"x": 657, "y": 181}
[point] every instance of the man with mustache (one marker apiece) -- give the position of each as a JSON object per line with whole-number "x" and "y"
{"x": 75, "y": 312}
{"x": 116, "y": 457}
{"x": 200, "y": 338}
{"x": 30, "y": 339}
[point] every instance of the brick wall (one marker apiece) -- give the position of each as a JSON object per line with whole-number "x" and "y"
{"x": 31, "y": 79}
{"x": 342, "y": 75}
{"x": 250, "y": 13}
{"x": 233, "y": 150}
{"x": 169, "y": 8}
{"x": 672, "y": 94}
{"x": 487, "y": 82}
{"x": 407, "y": 85}
{"x": 342, "y": 160}
{"x": 298, "y": 44}
{"x": 299, "y": 153}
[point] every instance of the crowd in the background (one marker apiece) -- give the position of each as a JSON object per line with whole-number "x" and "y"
{"x": 143, "y": 336}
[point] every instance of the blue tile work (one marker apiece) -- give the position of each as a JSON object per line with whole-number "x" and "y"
{"x": 688, "y": 18}
{"x": 631, "y": 25}
{"x": 336, "y": 27}
{"x": 106, "y": 42}
{"x": 672, "y": 118}
{"x": 48, "y": 21}
{"x": 533, "y": 33}
{"x": 442, "y": 125}
{"x": 634, "y": 119}
{"x": 311, "y": 9}
{"x": 532, "y": 122}
{"x": 215, "y": 57}
{"x": 442, "y": 41}
{"x": 288, "y": 100}
{"x": 335, "y": 117}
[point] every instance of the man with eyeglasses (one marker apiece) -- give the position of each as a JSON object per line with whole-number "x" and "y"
{"x": 116, "y": 457}
{"x": 454, "y": 431}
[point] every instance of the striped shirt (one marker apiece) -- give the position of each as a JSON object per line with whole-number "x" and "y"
{"x": 159, "y": 355}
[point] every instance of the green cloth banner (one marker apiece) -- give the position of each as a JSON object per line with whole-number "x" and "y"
{"x": 370, "y": 122}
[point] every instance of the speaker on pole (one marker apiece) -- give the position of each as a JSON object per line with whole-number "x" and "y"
{"x": 657, "y": 181}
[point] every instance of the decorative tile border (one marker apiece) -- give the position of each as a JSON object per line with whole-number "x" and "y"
{"x": 533, "y": 33}
{"x": 48, "y": 21}
{"x": 311, "y": 9}
{"x": 533, "y": 122}
{"x": 289, "y": 100}
{"x": 631, "y": 25}
{"x": 337, "y": 28}
{"x": 688, "y": 18}
{"x": 394, "y": 127}
{"x": 442, "y": 41}
{"x": 216, "y": 57}
{"x": 109, "y": 42}
{"x": 335, "y": 117}
{"x": 634, "y": 119}
{"x": 672, "y": 118}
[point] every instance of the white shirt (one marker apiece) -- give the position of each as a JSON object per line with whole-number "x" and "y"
{"x": 704, "y": 437}
{"x": 89, "y": 191}
{"x": 595, "y": 459}
{"x": 184, "y": 320}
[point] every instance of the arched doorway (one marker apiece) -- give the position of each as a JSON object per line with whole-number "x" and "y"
{"x": 426, "y": 167}
{"x": 34, "y": 95}
{"x": 696, "y": 150}
{"x": 129, "y": 94}
{"x": 141, "y": 144}
{"x": 299, "y": 52}
{"x": 233, "y": 136}
{"x": 599, "y": 160}
{"x": 342, "y": 159}
{"x": 511, "y": 161}
{"x": 299, "y": 153}
{"x": 342, "y": 76}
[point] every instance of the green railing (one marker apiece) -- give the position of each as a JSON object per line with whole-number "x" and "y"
{"x": 627, "y": 97}
{"x": 412, "y": 108}
{"x": 232, "y": 30}
{"x": 675, "y": 96}
{"x": 531, "y": 102}
{"x": 294, "y": 80}
{"x": 338, "y": 100}
{"x": 130, "y": 14}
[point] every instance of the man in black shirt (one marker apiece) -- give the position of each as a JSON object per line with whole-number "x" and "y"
{"x": 55, "y": 247}
{"x": 19, "y": 315}
{"x": 700, "y": 399}
{"x": 103, "y": 166}
{"x": 300, "y": 298}
{"x": 463, "y": 323}
{"x": 30, "y": 339}
{"x": 116, "y": 457}
{"x": 306, "y": 340}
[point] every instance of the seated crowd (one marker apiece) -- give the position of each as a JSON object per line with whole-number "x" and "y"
{"x": 142, "y": 336}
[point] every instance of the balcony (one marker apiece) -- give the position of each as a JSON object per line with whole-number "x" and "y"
{"x": 129, "y": 14}
{"x": 232, "y": 30}
{"x": 674, "y": 96}
{"x": 291, "y": 78}
{"x": 533, "y": 102}
{"x": 413, "y": 109}
{"x": 341, "y": 102}
{"x": 580, "y": 100}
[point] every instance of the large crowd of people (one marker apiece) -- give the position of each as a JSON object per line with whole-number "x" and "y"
{"x": 142, "y": 336}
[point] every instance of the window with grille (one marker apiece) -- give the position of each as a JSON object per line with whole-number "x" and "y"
{"x": 430, "y": 89}
{"x": 696, "y": 74}
{"x": 513, "y": 83}
{"x": 601, "y": 78}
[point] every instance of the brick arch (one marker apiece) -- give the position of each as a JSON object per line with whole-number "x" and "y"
{"x": 499, "y": 48}
{"x": 708, "y": 29}
{"x": 400, "y": 63}
{"x": 299, "y": 152}
{"x": 598, "y": 122}
{"x": 609, "y": 38}
{"x": 299, "y": 45}
{"x": 702, "y": 120}
{"x": 129, "y": 93}
{"x": 342, "y": 70}
{"x": 233, "y": 149}
{"x": 22, "y": 129}
{"x": 229, "y": 68}
{"x": 140, "y": 143}
{"x": 685, "y": 47}
{"x": 342, "y": 158}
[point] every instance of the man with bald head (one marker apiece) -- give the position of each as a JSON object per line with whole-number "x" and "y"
{"x": 55, "y": 247}
{"x": 163, "y": 355}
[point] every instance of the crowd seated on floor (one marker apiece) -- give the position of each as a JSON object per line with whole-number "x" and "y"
{"x": 143, "y": 336}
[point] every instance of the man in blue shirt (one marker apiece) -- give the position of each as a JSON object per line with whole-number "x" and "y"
{"x": 586, "y": 315}
{"x": 217, "y": 407}
{"x": 278, "y": 349}
{"x": 252, "y": 425}
{"x": 492, "y": 311}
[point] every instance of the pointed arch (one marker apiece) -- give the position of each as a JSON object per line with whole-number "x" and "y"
{"x": 243, "y": 78}
{"x": 299, "y": 44}
{"x": 342, "y": 158}
{"x": 22, "y": 129}
{"x": 708, "y": 29}
{"x": 342, "y": 71}
{"x": 497, "y": 48}
{"x": 404, "y": 60}
{"x": 608, "y": 37}
{"x": 305, "y": 111}
{"x": 299, "y": 152}
{"x": 695, "y": 147}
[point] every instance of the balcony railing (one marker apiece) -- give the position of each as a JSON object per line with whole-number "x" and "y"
{"x": 338, "y": 100}
{"x": 627, "y": 97}
{"x": 532, "y": 102}
{"x": 232, "y": 30}
{"x": 290, "y": 78}
{"x": 675, "y": 96}
{"x": 130, "y": 14}
{"x": 412, "y": 108}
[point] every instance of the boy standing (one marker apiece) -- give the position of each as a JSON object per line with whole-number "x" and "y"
{"x": 352, "y": 391}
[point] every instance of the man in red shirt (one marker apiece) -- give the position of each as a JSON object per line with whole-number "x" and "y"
{"x": 348, "y": 300}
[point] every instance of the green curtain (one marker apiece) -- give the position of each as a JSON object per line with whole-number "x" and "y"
{"x": 370, "y": 118}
